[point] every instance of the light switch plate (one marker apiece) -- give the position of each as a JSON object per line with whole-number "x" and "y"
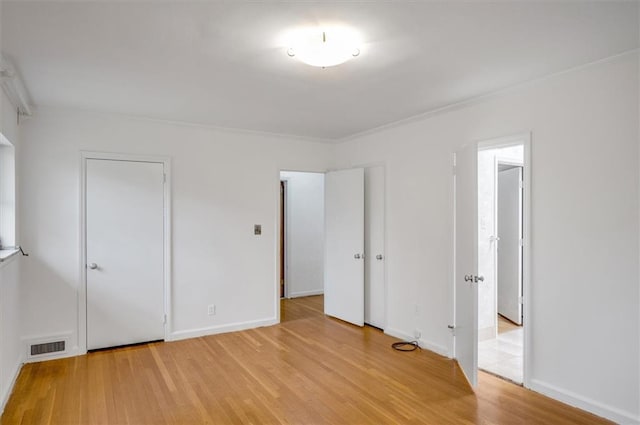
{"x": 257, "y": 229}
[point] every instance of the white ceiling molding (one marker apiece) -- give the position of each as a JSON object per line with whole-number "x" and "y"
{"x": 14, "y": 87}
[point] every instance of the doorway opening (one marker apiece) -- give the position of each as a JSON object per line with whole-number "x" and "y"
{"x": 301, "y": 289}
{"x": 331, "y": 247}
{"x": 501, "y": 222}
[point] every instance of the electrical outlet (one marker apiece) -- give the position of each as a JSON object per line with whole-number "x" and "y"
{"x": 211, "y": 309}
{"x": 417, "y": 333}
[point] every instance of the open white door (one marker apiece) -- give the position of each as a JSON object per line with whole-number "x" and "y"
{"x": 509, "y": 247}
{"x": 344, "y": 245}
{"x": 374, "y": 304}
{"x": 466, "y": 262}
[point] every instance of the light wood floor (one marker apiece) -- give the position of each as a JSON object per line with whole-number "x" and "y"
{"x": 506, "y": 325}
{"x": 308, "y": 370}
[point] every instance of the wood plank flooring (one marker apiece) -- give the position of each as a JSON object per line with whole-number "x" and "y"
{"x": 505, "y": 325}
{"x": 308, "y": 370}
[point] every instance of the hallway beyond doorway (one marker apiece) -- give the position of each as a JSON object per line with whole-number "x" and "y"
{"x": 301, "y": 308}
{"x": 502, "y": 355}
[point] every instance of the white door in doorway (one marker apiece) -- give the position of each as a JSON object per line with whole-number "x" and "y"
{"x": 125, "y": 252}
{"x": 374, "y": 303}
{"x": 344, "y": 245}
{"x": 466, "y": 277}
{"x": 509, "y": 246}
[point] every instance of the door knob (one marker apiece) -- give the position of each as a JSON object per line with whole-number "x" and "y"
{"x": 477, "y": 279}
{"x": 468, "y": 278}
{"x": 356, "y": 256}
{"x": 379, "y": 257}
{"x": 93, "y": 266}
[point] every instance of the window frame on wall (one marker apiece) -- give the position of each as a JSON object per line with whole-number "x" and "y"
{"x": 8, "y": 246}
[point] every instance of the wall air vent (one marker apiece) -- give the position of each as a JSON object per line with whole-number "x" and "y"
{"x": 48, "y": 347}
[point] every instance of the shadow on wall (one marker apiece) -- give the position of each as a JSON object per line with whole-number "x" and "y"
{"x": 49, "y": 297}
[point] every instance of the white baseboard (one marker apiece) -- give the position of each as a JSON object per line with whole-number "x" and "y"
{"x": 306, "y": 293}
{"x": 9, "y": 390}
{"x": 427, "y": 345}
{"x": 584, "y": 403}
{"x": 436, "y": 348}
{"x": 219, "y": 329}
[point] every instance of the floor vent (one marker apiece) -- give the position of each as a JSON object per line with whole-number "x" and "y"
{"x": 48, "y": 347}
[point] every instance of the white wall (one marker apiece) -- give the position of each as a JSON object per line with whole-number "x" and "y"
{"x": 11, "y": 354}
{"x": 585, "y": 175}
{"x": 305, "y": 237}
{"x": 585, "y": 317}
{"x": 487, "y": 309}
{"x": 223, "y": 183}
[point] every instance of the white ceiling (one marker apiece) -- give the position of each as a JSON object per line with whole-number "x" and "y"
{"x": 220, "y": 63}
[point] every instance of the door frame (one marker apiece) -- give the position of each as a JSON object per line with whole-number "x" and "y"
{"x": 503, "y": 142}
{"x": 82, "y": 290}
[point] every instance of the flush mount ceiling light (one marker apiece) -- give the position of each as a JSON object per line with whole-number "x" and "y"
{"x": 323, "y": 47}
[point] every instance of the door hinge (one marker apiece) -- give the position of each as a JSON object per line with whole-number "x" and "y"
{"x": 521, "y": 184}
{"x": 164, "y": 177}
{"x": 521, "y": 300}
{"x": 521, "y": 242}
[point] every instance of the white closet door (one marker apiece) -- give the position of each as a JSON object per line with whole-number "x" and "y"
{"x": 374, "y": 288}
{"x": 466, "y": 262}
{"x": 344, "y": 245}
{"x": 125, "y": 252}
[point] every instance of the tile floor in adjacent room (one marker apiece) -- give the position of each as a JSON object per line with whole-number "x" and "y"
{"x": 503, "y": 355}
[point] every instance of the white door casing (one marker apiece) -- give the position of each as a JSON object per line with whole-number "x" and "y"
{"x": 509, "y": 247}
{"x": 374, "y": 275}
{"x": 466, "y": 262}
{"x": 124, "y": 219}
{"x": 344, "y": 245}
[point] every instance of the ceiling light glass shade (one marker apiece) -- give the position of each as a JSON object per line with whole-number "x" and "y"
{"x": 324, "y": 47}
